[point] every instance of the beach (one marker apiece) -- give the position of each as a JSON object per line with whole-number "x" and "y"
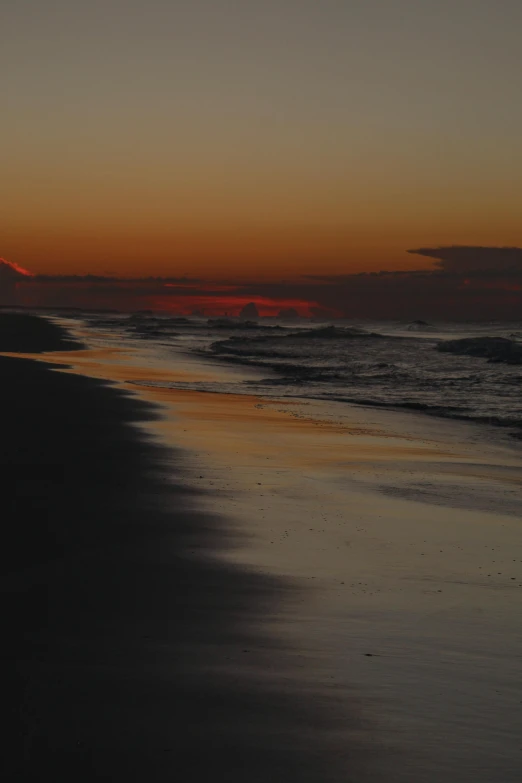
{"x": 250, "y": 588}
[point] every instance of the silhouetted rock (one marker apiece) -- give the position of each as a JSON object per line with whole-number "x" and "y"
{"x": 249, "y": 312}
{"x": 288, "y": 314}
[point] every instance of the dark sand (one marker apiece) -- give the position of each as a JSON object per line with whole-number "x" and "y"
{"x": 128, "y": 652}
{"x": 30, "y": 334}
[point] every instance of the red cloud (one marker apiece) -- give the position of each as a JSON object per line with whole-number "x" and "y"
{"x": 218, "y": 305}
{"x": 11, "y": 271}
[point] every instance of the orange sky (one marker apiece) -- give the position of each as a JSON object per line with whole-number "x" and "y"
{"x": 260, "y": 140}
{"x": 226, "y": 254}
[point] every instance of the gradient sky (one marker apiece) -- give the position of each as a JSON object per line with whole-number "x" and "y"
{"x": 261, "y": 138}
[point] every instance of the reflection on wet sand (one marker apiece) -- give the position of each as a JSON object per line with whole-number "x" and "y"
{"x": 397, "y": 542}
{"x": 131, "y": 649}
{"x": 113, "y": 364}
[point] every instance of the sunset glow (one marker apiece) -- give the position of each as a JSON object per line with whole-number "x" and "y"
{"x": 232, "y": 305}
{"x": 257, "y": 141}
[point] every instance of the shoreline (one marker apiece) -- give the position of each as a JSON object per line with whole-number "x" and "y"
{"x": 383, "y": 533}
{"x": 203, "y": 368}
{"x": 130, "y": 652}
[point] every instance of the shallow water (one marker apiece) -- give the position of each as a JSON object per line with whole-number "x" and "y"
{"x": 378, "y": 364}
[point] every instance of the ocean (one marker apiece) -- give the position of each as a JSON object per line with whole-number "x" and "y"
{"x": 469, "y": 371}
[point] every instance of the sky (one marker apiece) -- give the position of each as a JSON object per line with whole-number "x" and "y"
{"x": 256, "y": 140}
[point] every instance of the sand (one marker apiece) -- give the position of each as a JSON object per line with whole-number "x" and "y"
{"x": 264, "y": 591}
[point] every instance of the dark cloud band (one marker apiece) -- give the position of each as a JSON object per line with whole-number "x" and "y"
{"x": 474, "y": 283}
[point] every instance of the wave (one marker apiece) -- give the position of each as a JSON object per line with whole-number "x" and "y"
{"x": 355, "y": 365}
{"x": 290, "y": 346}
{"x": 332, "y": 333}
{"x": 460, "y": 413}
{"x": 228, "y": 323}
{"x": 466, "y": 396}
{"x": 419, "y": 326}
{"x": 495, "y": 349}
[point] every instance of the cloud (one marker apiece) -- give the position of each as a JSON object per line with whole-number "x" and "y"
{"x": 10, "y": 276}
{"x": 468, "y": 259}
{"x": 11, "y": 272}
{"x": 468, "y": 283}
{"x": 89, "y": 279}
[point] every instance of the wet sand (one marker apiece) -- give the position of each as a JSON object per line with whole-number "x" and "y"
{"x": 131, "y": 650}
{"x": 370, "y": 563}
{"x": 403, "y": 534}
